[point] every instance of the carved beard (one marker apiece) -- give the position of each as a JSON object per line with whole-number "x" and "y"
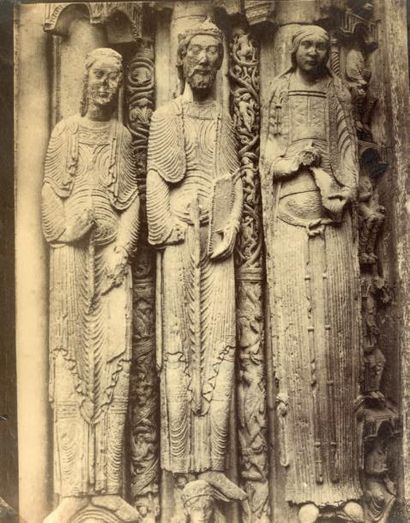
{"x": 201, "y": 80}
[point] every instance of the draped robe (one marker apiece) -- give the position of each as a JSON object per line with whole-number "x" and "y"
{"x": 191, "y": 146}
{"x": 314, "y": 292}
{"x": 89, "y": 165}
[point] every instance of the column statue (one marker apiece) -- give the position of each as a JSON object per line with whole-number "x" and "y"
{"x": 90, "y": 212}
{"x": 309, "y": 169}
{"x": 194, "y": 204}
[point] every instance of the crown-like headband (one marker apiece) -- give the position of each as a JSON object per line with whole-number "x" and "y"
{"x": 205, "y": 28}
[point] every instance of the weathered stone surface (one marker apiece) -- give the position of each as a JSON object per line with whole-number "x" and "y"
{"x": 263, "y": 342}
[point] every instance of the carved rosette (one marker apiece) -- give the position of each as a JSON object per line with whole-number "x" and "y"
{"x": 251, "y": 392}
{"x": 144, "y": 387}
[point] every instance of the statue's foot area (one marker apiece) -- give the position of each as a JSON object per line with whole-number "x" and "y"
{"x": 66, "y": 510}
{"x": 118, "y": 507}
{"x": 353, "y": 512}
{"x": 308, "y": 513}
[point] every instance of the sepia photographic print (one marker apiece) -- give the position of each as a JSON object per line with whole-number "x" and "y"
{"x": 205, "y": 261}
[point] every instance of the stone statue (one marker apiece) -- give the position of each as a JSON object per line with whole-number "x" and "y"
{"x": 309, "y": 170}
{"x": 90, "y": 212}
{"x": 194, "y": 204}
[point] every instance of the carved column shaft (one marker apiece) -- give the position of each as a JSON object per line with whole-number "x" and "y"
{"x": 251, "y": 389}
{"x": 144, "y": 388}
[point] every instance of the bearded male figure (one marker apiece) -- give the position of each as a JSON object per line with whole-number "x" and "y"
{"x": 90, "y": 211}
{"x": 309, "y": 185}
{"x": 194, "y": 203}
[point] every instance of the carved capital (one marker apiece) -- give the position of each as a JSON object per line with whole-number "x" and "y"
{"x": 257, "y": 11}
{"x": 354, "y": 26}
{"x": 58, "y": 15}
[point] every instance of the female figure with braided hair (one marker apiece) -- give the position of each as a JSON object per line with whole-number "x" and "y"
{"x": 90, "y": 219}
{"x": 309, "y": 176}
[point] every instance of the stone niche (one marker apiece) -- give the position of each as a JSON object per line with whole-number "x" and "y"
{"x": 266, "y": 369}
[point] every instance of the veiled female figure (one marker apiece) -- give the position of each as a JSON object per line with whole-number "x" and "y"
{"x": 309, "y": 183}
{"x": 90, "y": 218}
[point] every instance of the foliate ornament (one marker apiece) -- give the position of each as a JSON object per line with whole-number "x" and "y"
{"x": 140, "y": 98}
{"x": 144, "y": 386}
{"x": 244, "y": 76}
{"x": 251, "y": 396}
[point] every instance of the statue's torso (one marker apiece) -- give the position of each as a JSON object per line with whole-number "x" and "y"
{"x": 89, "y": 188}
{"x": 200, "y": 123}
{"x": 299, "y": 194}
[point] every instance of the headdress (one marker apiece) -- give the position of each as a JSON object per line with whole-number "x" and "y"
{"x": 305, "y": 32}
{"x": 102, "y": 52}
{"x": 197, "y": 489}
{"x": 207, "y": 27}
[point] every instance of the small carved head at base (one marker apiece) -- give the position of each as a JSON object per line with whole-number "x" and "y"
{"x": 200, "y": 498}
{"x": 199, "y": 503}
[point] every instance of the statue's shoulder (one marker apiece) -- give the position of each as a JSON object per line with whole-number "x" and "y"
{"x": 67, "y": 125}
{"x": 168, "y": 111}
{"x": 279, "y": 85}
{"x": 123, "y": 132}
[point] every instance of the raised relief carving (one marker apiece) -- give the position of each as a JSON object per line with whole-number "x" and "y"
{"x": 90, "y": 212}
{"x": 144, "y": 386}
{"x": 378, "y": 416}
{"x": 310, "y": 180}
{"x": 252, "y": 414}
{"x": 99, "y": 13}
{"x": 194, "y": 205}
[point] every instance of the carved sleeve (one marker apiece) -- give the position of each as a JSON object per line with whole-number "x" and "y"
{"x": 163, "y": 227}
{"x": 127, "y": 197}
{"x": 129, "y": 227}
{"x": 52, "y": 209}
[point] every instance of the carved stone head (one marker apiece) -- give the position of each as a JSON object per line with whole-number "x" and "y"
{"x": 200, "y": 55}
{"x": 102, "y": 78}
{"x": 310, "y": 49}
{"x": 199, "y": 503}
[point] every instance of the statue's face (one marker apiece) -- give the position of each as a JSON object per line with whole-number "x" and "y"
{"x": 312, "y": 54}
{"x": 201, "y": 510}
{"x": 104, "y": 78}
{"x": 201, "y": 62}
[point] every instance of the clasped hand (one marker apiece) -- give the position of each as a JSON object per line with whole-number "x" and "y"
{"x": 79, "y": 225}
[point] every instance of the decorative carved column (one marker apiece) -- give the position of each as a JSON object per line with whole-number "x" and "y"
{"x": 251, "y": 388}
{"x": 144, "y": 389}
